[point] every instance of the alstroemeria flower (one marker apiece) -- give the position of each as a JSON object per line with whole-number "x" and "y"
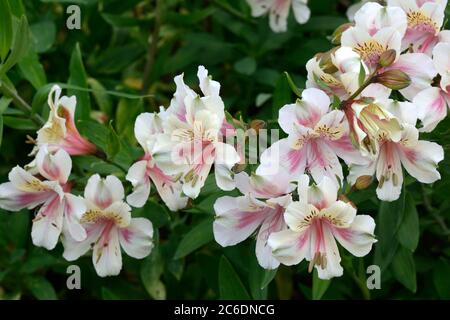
{"x": 371, "y": 46}
{"x": 60, "y": 131}
{"x": 419, "y": 158}
{"x": 109, "y": 226}
{"x": 425, "y": 19}
{"x": 279, "y": 11}
{"x": 147, "y": 128}
{"x": 369, "y": 117}
{"x": 338, "y": 73}
{"x": 433, "y": 102}
{"x": 191, "y": 142}
{"x": 354, "y": 8}
{"x": 315, "y": 222}
{"x": 317, "y": 137}
{"x": 261, "y": 208}
{"x": 59, "y": 211}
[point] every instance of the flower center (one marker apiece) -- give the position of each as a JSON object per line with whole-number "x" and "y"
{"x": 97, "y": 215}
{"x": 370, "y": 51}
{"x": 421, "y": 22}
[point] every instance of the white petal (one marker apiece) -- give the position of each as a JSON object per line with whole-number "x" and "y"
{"x": 278, "y": 15}
{"x": 207, "y": 85}
{"x": 74, "y": 249}
{"x": 301, "y": 11}
{"x": 333, "y": 266}
{"x": 431, "y": 108}
{"x": 55, "y": 167}
{"x": 260, "y": 7}
{"x": 47, "y": 224}
{"x": 137, "y": 239}
{"x": 106, "y": 255}
{"x": 272, "y": 224}
{"x": 103, "y": 192}
{"x": 359, "y": 237}
{"x": 289, "y": 247}
{"x": 137, "y": 175}
{"x": 74, "y": 208}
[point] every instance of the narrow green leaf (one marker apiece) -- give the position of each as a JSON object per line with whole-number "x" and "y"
{"x": 113, "y": 146}
{"x": 246, "y": 66}
{"x": 5, "y": 29}
{"x": 441, "y": 279}
{"x": 319, "y": 286}
{"x": 33, "y": 70}
{"x": 259, "y": 279}
{"x": 408, "y": 233}
{"x": 362, "y": 75}
{"x": 17, "y": 8}
{"x": 198, "y": 236}
{"x": 291, "y": 83}
{"x": 1, "y": 129}
{"x": 151, "y": 271}
{"x": 4, "y": 104}
{"x": 404, "y": 268}
{"x": 20, "y": 45}
{"x": 44, "y": 35}
{"x": 101, "y": 96}
{"x": 281, "y": 95}
{"x": 19, "y": 123}
{"x": 230, "y": 285}
{"x": 78, "y": 77}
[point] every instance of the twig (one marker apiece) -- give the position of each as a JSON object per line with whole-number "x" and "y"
{"x": 21, "y": 104}
{"x": 152, "y": 48}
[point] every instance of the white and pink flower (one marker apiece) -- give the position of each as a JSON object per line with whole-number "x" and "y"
{"x": 192, "y": 140}
{"x": 278, "y": 11}
{"x": 147, "y": 128}
{"x": 433, "y": 102}
{"x": 60, "y": 131}
{"x": 260, "y": 208}
{"x": 59, "y": 210}
{"x": 109, "y": 226}
{"x": 419, "y": 158}
{"x": 314, "y": 223}
{"x": 318, "y": 137}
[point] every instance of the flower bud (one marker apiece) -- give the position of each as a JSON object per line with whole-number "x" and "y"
{"x": 394, "y": 79}
{"x": 257, "y": 125}
{"x": 336, "y": 36}
{"x": 387, "y": 58}
{"x": 344, "y": 198}
{"x": 363, "y": 182}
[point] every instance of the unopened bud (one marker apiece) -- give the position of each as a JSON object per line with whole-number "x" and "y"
{"x": 394, "y": 79}
{"x": 363, "y": 182}
{"x": 387, "y": 58}
{"x": 326, "y": 63}
{"x": 337, "y": 34}
{"x": 257, "y": 125}
{"x": 345, "y": 199}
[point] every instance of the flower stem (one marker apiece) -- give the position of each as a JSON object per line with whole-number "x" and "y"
{"x": 21, "y": 104}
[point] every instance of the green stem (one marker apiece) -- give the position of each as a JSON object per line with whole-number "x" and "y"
{"x": 21, "y": 104}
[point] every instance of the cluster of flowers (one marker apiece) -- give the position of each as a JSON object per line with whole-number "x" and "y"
{"x": 396, "y": 47}
{"x": 399, "y": 47}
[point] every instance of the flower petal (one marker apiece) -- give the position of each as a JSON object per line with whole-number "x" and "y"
{"x": 47, "y": 224}
{"x": 137, "y": 239}
{"x": 106, "y": 255}
{"x": 431, "y": 108}
{"x": 55, "y": 167}
{"x": 74, "y": 208}
{"x": 137, "y": 175}
{"x": 290, "y": 247}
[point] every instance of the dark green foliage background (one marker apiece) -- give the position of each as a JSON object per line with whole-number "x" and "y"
{"x": 110, "y": 52}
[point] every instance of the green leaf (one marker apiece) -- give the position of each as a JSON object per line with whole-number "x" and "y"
{"x": 44, "y": 34}
{"x": 319, "y": 286}
{"x": 230, "y": 285}
{"x": 404, "y": 268}
{"x": 198, "y": 236}
{"x": 107, "y": 294}
{"x": 20, "y": 45}
{"x": 259, "y": 279}
{"x": 4, "y": 104}
{"x": 41, "y": 288}
{"x": 293, "y": 86}
{"x": 101, "y": 96}
{"x": 362, "y": 75}
{"x": 5, "y": 29}
{"x": 408, "y": 233}
{"x": 19, "y": 123}
{"x": 246, "y": 66}
{"x": 441, "y": 279}
{"x": 390, "y": 216}
{"x": 1, "y": 129}
{"x": 155, "y": 212}
{"x": 113, "y": 146}
{"x": 78, "y": 77}
{"x": 151, "y": 271}
{"x": 33, "y": 70}
{"x": 281, "y": 95}
{"x": 17, "y": 8}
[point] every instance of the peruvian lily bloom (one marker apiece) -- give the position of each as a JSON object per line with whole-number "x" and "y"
{"x": 368, "y": 117}
{"x": 425, "y": 19}
{"x": 59, "y": 210}
{"x": 109, "y": 226}
{"x": 371, "y": 46}
{"x": 60, "y": 131}
{"x": 315, "y": 222}
{"x": 317, "y": 137}
{"x": 279, "y": 11}
{"x": 419, "y": 158}
{"x": 191, "y": 142}
{"x": 433, "y": 102}
{"x": 261, "y": 208}
{"x": 147, "y": 128}
{"x": 338, "y": 73}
